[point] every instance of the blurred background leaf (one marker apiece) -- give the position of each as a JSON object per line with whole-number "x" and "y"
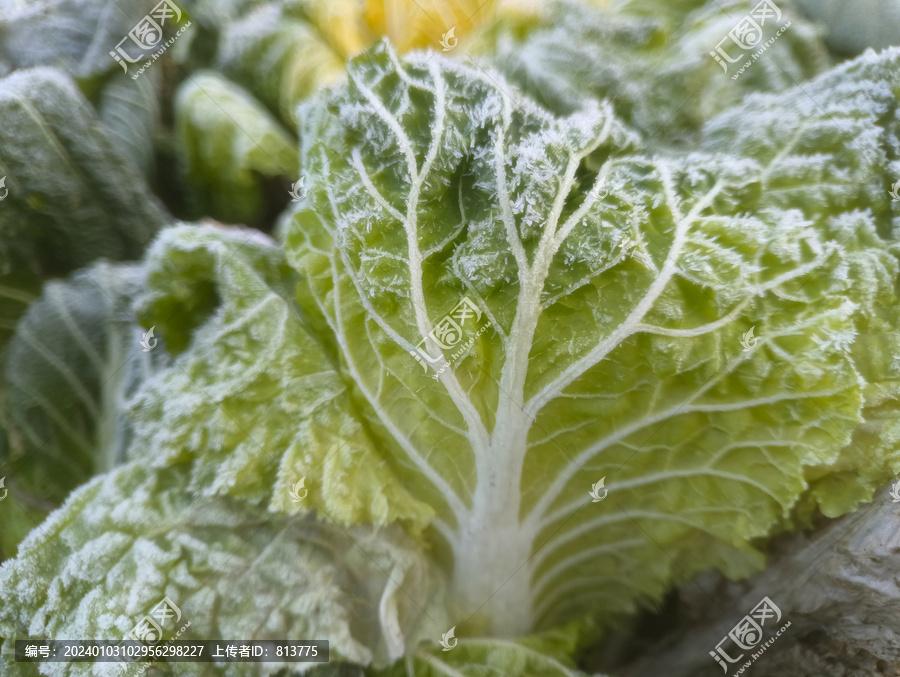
{"x": 72, "y": 364}
{"x": 230, "y": 148}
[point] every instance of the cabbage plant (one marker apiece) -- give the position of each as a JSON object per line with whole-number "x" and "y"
{"x": 509, "y": 376}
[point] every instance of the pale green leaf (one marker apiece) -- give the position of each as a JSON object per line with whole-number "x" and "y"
{"x": 230, "y": 149}
{"x": 76, "y": 35}
{"x": 614, "y": 301}
{"x": 118, "y": 547}
{"x": 131, "y": 115}
{"x": 661, "y": 360}
{"x": 280, "y": 58}
{"x": 257, "y": 398}
{"x": 651, "y": 59}
{"x": 73, "y": 197}
{"x": 70, "y": 368}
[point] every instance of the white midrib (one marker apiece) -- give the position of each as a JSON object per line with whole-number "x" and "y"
{"x": 493, "y": 547}
{"x": 493, "y": 541}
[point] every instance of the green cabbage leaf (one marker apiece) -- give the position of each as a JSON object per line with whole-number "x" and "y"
{"x": 650, "y": 59}
{"x": 230, "y": 148}
{"x": 118, "y": 545}
{"x": 544, "y": 371}
{"x": 579, "y": 322}
{"x": 72, "y": 365}
{"x": 73, "y": 196}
